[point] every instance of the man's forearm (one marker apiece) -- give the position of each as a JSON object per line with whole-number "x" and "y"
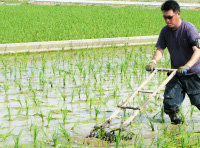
{"x": 158, "y": 55}
{"x": 195, "y": 57}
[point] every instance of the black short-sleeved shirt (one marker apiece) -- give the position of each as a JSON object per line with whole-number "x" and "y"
{"x": 179, "y": 45}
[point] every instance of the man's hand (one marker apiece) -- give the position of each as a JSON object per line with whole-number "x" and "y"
{"x": 150, "y": 66}
{"x": 183, "y": 69}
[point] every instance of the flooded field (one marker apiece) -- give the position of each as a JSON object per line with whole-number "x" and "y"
{"x": 55, "y": 99}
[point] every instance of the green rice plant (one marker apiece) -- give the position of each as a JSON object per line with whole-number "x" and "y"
{"x": 193, "y": 125}
{"x": 19, "y": 83}
{"x": 91, "y": 103}
{"x": 64, "y": 115}
{"x": 198, "y": 139}
{"x": 79, "y": 93}
{"x": 53, "y": 67}
{"x": 75, "y": 124}
{"x": 6, "y": 87}
{"x": 27, "y": 110}
{"x": 27, "y": 106}
{"x": 36, "y": 131}
{"x": 41, "y": 115}
{"x": 46, "y": 92}
{"x": 87, "y": 93}
{"x": 158, "y": 140}
{"x": 34, "y": 91}
{"x": 63, "y": 96}
{"x": 49, "y": 118}
{"x": 115, "y": 91}
{"x": 55, "y": 137}
{"x": 11, "y": 72}
{"x": 80, "y": 66}
{"x": 84, "y": 74}
{"x": 64, "y": 79}
{"x": 182, "y": 117}
{"x": 137, "y": 138}
{"x": 183, "y": 141}
{"x": 192, "y": 111}
{"x": 19, "y": 100}
{"x": 30, "y": 83}
{"x": 106, "y": 100}
{"x": 17, "y": 139}
{"x": 101, "y": 91}
{"x": 165, "y": 130}
{"x": 64, "y": 133}
{"x": 97, "y": 111}
{"x": 72, "y": 96}
{"x": 162, "y": 114}
{"x": 9, "y": 113}
{"x": 180, "y": 128}
{"x": 151, "y": 123}
{"x": 108, "y": 65}
{"x": 6, "y": 98}
{"x": 8, "y": 134}
{"x": 122, "y": 76}
{"x": 118, "y": 139}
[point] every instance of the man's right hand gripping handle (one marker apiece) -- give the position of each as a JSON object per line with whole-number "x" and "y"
{"x": 151, "y": 66}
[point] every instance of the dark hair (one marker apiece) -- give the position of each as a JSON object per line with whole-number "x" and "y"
{"x": 170, "y": 5}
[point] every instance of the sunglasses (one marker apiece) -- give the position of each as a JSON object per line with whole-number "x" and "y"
{"x": 169, "y": 17}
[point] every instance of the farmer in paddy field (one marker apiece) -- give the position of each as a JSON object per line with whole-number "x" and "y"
{"x": 181, "y": 39}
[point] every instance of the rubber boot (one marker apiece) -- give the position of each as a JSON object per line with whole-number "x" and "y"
{"x": 175, "y": 119}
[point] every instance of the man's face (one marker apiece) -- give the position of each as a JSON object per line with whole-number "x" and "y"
{"x": 171, "y": 18}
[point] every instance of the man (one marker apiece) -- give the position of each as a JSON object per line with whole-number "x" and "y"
{"x": 180, "y": 37}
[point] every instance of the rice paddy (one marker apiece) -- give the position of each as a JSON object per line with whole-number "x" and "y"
{"x": 55, "y": 99}
{"x": 29, "y": 23}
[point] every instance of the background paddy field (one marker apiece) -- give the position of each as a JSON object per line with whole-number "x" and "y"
{"x": 180, "y": 1}
{"x": 30, "y": 23}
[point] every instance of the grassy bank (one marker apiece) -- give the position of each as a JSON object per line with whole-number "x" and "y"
{"x": 26, "y": 23}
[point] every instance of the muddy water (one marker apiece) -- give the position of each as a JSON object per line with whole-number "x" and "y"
{"x": 71, "y": 87}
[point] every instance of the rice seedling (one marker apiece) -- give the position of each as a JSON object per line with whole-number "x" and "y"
{"x": 72, "y": 95}
{"x": 19, "y": 100}
{"x": 151, "y": 123}
{"x": 19, "y": 84}
{"x": 191, "y": 111}
{"x": 183, "y": 141}
{"x": 41, "y": 115}
{"x": 91, "y": 100}
{"x": 63, "y": 96}
{"x": 165, "y": 130}
{"x": 55, "y": 137}
{"x": 97, "y": 111}
{"x": 36, "y": 131}
{"x": 6, "y": 87}
{"x": 158, "y": 141}
{"x": 87, "y": 93}
{"x": 198, "y": 139}
{"x": 65, "y": 133}
{"x": 64, "y": 79}
{"x": 27, "y": 110}
{"x": 49, "y": 118}
{"x": 17, "y": 139}
{"x": 75, "y": 124}
{"x": 9, "y": 113}
{"x": 79, "y": 93}
{"x": 7, "y": 135}
{"x": 64, "y": 115}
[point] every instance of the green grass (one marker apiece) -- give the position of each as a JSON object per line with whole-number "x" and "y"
{"x": 33, "y": 23}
